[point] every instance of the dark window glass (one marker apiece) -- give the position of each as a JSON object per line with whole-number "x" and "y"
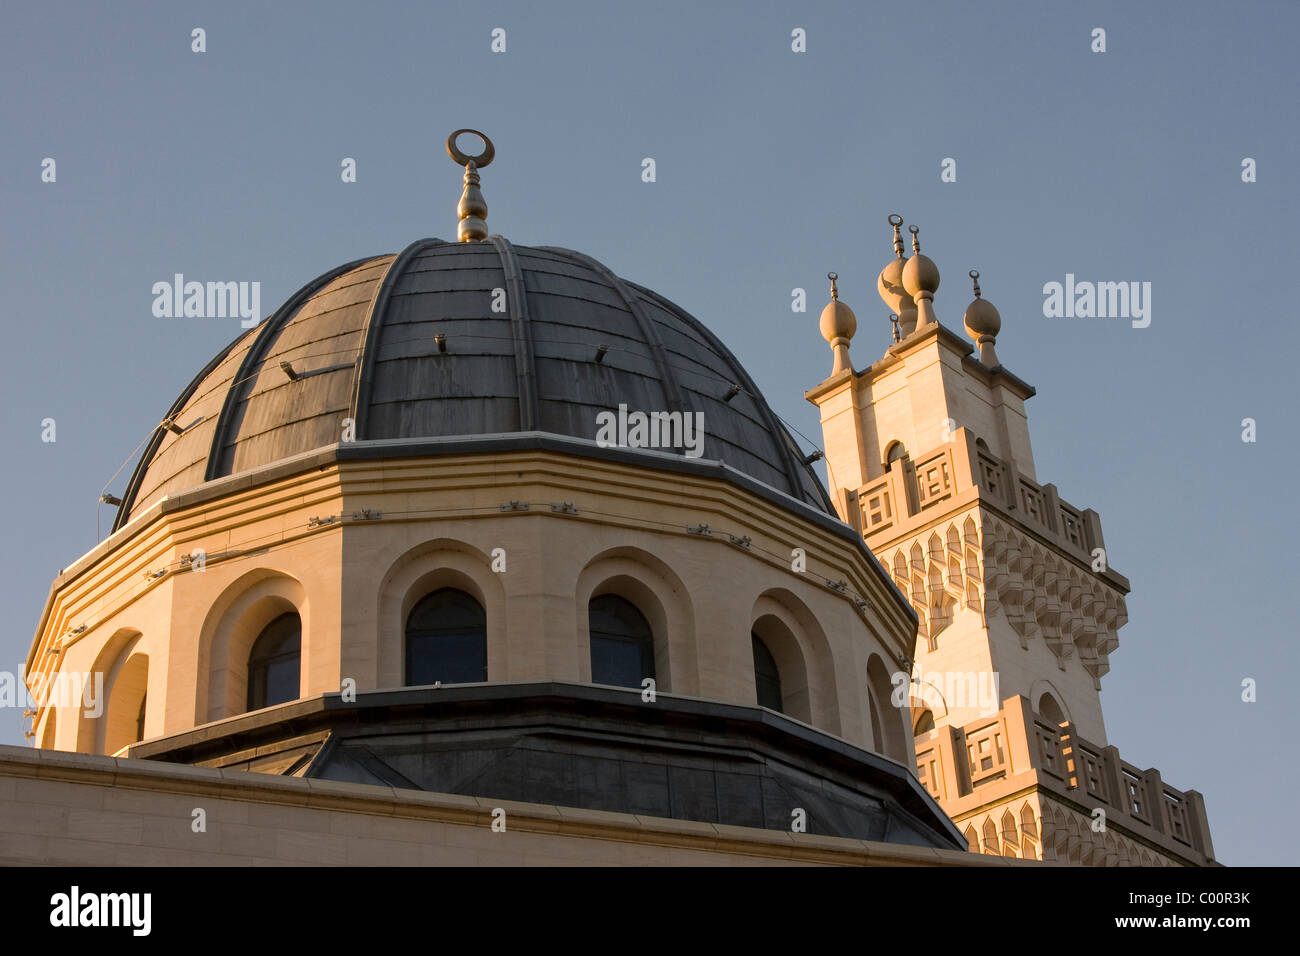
{"x": 924, "y": 723}
{"x": 446, "y": 640}
{"x": 766, "y": 677}
{"x": 273, "y": 663}
{"x": 622, "y": 646}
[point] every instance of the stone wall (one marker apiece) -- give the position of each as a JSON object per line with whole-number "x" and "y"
{"x": 77, "y": 809}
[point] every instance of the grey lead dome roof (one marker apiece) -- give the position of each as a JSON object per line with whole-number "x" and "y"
{"x": 361, "y": 338}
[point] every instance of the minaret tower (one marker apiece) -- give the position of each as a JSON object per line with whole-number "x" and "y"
{"x": 928, "y": 456}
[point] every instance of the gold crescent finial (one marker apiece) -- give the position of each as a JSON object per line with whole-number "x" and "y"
{"x": 916, "y": 243}
{"x": 834, "y": 277}
{"x": 463, "y": 159}
{"x": 472, "y": 209}
{"x": 975, "y": 280}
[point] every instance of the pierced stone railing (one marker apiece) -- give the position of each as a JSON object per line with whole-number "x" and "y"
{"x": 962, "y": 767}
{"x": 911, "y": 489}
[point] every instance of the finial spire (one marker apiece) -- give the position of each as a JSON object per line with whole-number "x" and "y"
{"x": 983, "y": 323}
{"x": 893, "y": 320}
{"x": 890, "y": 282}
{"x": 921, "y": 282}
{"x": 838, "y": 324}
{"x": 472, "y": 209}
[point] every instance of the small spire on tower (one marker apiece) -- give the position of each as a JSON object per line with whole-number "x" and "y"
{"x": 983, "y": 322}
{"x": 472, "y": 209}
{"x": 838, "y": 325}
{"x": 921, "y": 281}
{"x": 890, "y": 282}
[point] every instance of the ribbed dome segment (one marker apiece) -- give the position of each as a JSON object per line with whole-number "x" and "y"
{"x": 362, "y": 341}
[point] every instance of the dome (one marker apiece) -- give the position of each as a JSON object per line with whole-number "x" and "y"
{"x": 420, "y": 345}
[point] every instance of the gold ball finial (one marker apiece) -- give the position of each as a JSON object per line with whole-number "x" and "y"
{"x": 472, "y": 208}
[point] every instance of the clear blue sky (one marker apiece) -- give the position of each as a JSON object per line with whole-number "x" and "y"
{"x": 773, "y": 167}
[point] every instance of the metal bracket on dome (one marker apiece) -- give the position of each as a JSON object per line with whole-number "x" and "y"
{"x": 564, "y": 507}
{"x": 515, "y": 506}
{"x": 169, "y": 423}
{"x": 296, "y": 376}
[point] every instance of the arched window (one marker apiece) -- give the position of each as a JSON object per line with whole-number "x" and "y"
{"x": 893, "y": 453}
{"x": 1050, "y": 710}
{"x": 767, "y": 679}
{"x": 273, "y": 663}
{"x": 622, "y": 644}
{"x": 924, "y": 723}
{"x": 446, "y": 640}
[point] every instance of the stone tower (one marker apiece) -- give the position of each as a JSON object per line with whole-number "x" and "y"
{"x": 929, "y": 458}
